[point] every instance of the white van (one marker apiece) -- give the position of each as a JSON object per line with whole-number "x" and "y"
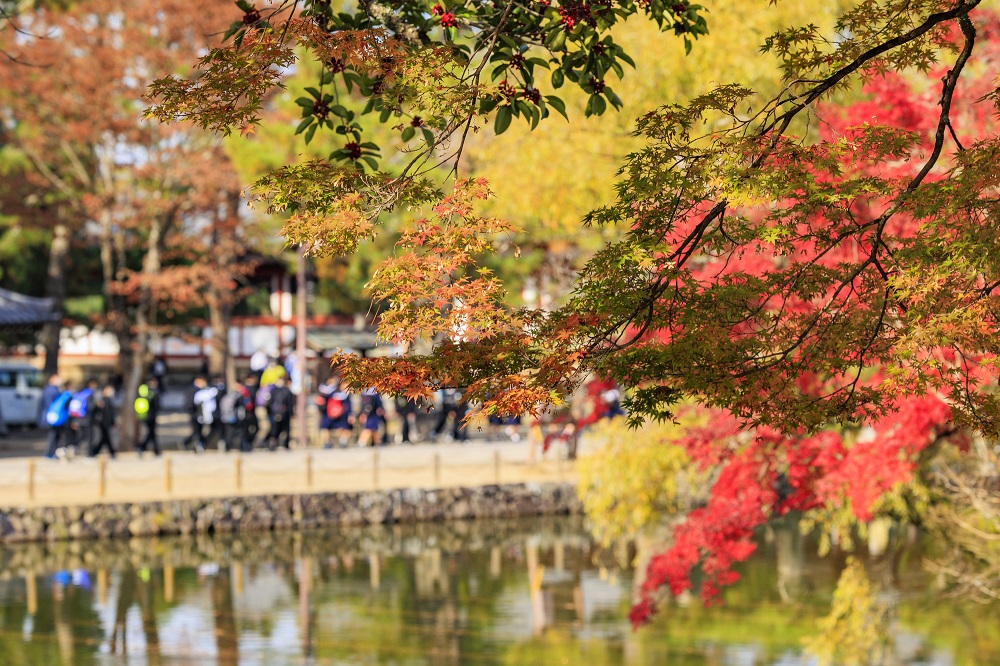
{"x": 20, "y": 393}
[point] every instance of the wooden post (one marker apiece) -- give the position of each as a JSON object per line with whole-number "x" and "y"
{"x": 305, "y": 603}
{"x": 31, "y": 588}
{"x": 238, "y": 471}
{"x": 437, "y": 469}
{"x": 374, "y": 571}
{"x": 375, "y": 469}
{"x": 102, "y": 586}
{"x": 238, "y": 585}
{"x": 168, "y": 583}
{"x": 102, "y": 483}
{"x": 496, "y": 466}
{"x": 31, "y": 479}
{"x": 168, "y": 475}
{"x": 309, "y": 470}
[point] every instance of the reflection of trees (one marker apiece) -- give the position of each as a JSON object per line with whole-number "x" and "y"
{"x": 226, "y": 636}
{"x": 126, "y": 596}
{"x": 146, "y": 595}
{"x": 395, "y": 595}
{"x": 63, "y": 630}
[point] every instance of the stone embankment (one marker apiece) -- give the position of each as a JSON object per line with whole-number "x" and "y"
{"x": 286, "y": 511}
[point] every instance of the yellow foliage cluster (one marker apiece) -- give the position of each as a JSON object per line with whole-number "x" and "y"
{"x": 636, "y": 477}
{"x": 855, "y": 632}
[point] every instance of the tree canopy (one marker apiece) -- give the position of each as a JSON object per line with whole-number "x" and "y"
{"x": 806, "y": 272}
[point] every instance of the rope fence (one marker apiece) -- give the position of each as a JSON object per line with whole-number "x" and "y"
{"x": 40, "y": 482}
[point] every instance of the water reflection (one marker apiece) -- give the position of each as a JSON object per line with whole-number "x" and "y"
{"x": 503, "y": 592}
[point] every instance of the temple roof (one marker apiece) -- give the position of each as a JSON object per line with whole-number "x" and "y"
{"x": 20, "y": 310}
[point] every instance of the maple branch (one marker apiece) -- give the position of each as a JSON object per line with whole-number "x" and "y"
{"x": 777, "y": 126}
{"x": 476, "y": 76}
{"x": 947, "y": 93}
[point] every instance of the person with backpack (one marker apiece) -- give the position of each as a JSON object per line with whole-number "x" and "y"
{"x": 54, "y": 413}
{"x": 280, "y": 409}
{"x": 335, "y": 412}
{"x": 147, "y": 408}
{"x": 233, "y": 416}
{"x": 206, "y": 405}
{"x": 249, "y": 388}
{"x": 81, "y": 417}
{"x": 104, "y": 419}
{"x": 194, "y": 410}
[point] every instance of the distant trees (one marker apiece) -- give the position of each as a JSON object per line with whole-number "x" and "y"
{"x": 160, "y": 202}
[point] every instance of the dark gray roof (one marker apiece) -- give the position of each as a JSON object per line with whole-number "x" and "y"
{"x": 21, "y": 310}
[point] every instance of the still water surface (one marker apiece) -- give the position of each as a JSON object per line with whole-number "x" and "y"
{"x": 491, "y": 592}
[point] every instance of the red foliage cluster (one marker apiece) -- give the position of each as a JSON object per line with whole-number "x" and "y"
{"x": 773, "y": 472}
{"x": 776, "y": 473}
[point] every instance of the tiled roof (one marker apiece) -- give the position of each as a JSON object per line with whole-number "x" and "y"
{"x": 21, "y": 310}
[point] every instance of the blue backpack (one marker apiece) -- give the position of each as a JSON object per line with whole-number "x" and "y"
{"x": 79, "y": 404}
{"x": 58, "y": 412}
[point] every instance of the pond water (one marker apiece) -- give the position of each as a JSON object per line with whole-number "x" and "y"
{"x": 491, "y": 592}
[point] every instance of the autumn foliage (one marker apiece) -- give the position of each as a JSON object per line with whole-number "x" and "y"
{"x": 823, "y": 279}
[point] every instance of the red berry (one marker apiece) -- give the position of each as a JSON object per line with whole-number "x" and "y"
{"x": 597, "y": 85}
{"x": 417, "y": 122}
{"x": 679, "y": 8}
{"x": 507, "y": 90}
{"x": 251, "y": 17}
{"x": 532, "y": 95}
{"x": 321, "y": 110}
{"x": 437, "y": 10}
{"x": 353, "y": 150}
{"x": 448, "y": 20}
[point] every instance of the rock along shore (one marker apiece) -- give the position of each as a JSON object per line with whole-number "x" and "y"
{"x": 280, "y": 512}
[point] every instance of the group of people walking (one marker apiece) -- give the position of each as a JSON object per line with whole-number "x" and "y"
{"x": 82, "y": 419}
{"x": 79, "y": 419}
{"x": 228, "y": 414}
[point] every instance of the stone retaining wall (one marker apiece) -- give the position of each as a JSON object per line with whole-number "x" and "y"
{"x": 276, "y": 512}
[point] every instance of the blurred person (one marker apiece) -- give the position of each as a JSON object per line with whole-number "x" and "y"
{"x": 452, "y": 407}
{"x": 258, "y": 363}
{"x": 335, "y": 412}
{"x": 508, "y": 424}
{"x": 159, "y": 371}
{"x": 147, "y": 408}
{"x": 406, "y": 409}
{"x": 81, "y": 413}
{"x": 280, "y": 409}
{"x": 193, "y": 408}
{"x": 104, "y": 419}
{"x": 233, "y": 416}
{"x": 251, "y": 427}
{"x": 213, "y": 402}
{"x": 372, "y": 415}
{"x": 267, "y": 381}
{"x": 54, "y": 412}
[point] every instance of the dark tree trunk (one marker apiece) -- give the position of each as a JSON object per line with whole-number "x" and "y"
{"x": 55, "y": 288}
{"x": 221, "y": 296}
